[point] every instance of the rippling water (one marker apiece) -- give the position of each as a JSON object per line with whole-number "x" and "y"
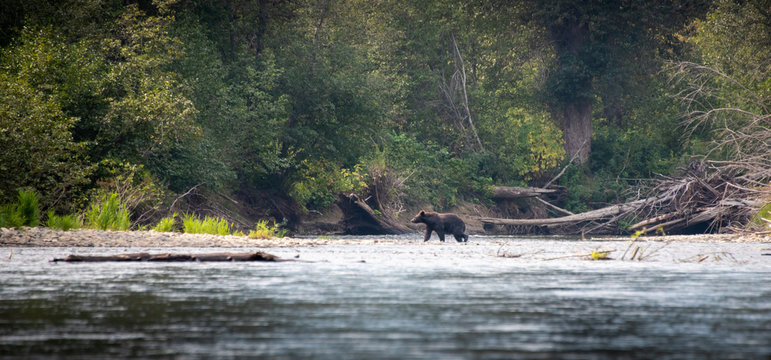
{"x": 450, "y": 301}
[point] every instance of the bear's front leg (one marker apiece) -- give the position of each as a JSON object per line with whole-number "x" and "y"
{"x": 428, "y": 233}
{"x": 441, "y": 235}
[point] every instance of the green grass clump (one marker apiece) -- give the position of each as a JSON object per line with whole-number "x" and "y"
{"x": 166, "y": 224}
{"x": 763, "y": 217}
{"x": 29, "y": 208}
{"x": 9, "y": 217}
{"x": 263, "y": 230}
{"x": 191, "y": 224}
{"x": 24, "y": 212}
{"x": 64, "y": 222}
{"x": 108, "y": 214}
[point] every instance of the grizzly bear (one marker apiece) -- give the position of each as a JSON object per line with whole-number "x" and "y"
{"x": 442, "y": 224}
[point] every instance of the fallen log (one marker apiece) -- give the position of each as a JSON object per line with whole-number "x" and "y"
{"x": 515, "y": 192}
{"x": 360, "y": 219}
{"x": 224, "y": 256}
{"x": 593, "y": 215}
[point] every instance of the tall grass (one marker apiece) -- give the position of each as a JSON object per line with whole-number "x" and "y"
{"x": 191, "y": 224}
{"x": 108, "y": 214}
{"x": 166, "y": 224}
{"x": 9, "y": 217}
{"x": 262, "y": 230}
{"x": 24, "y": 212}
{"x": 64, "y": 222}
{"x": 29, "y": 208}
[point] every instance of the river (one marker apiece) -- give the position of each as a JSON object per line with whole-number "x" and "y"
{"x": 492, "y": 298}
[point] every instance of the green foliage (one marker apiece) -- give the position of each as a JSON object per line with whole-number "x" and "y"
{"x": 309, "y": 99}
{"x": 166, "y": 224}
{"x": 263, "y": 230}
{"x": 10, "y": 217}
{"x": 35, "y": 132}
{"x": 63, "y": 222}
{"x": 319, "y": 182}
{"x": 191, "y": 224}
{"x": 108, "y": 213}
{"x": 763, "y": 217}
{"x": 599, "y": 255}
{"x": 29, "y": 208}
{"x": 527, "y": 145}
{"x": 25, "y": 211}
{"x": 429, "y": 173}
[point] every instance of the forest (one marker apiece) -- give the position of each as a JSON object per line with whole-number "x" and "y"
{"x": 270, "y": 109}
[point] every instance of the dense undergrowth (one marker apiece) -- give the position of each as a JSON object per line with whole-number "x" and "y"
{"x": 271, "y": 109}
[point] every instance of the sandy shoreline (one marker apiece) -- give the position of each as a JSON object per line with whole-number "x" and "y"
{"x": 44, "y": 237}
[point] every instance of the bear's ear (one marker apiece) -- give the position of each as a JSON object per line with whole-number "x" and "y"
{"x": 422, "y": 213}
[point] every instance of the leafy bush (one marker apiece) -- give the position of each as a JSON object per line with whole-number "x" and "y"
{"x": 108, "y": 214}
{"x": 191, "y": 224}
{"x": 526, "y": 144}
{"x": 318, "y": 183}
{"x": 263, "y": 230}
{"x": 64, "y": 222}
{"x": 166, "y": 224}
{"x": 427, "y": 172}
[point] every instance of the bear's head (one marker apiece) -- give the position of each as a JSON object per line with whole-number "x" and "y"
{"x": 419, "y": 217}
{"x": 426, "y": 217}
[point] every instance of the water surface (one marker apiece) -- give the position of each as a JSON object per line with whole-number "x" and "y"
{"x": 412, "y": 301}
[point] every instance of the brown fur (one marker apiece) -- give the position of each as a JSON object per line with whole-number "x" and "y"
{"x": 442, "y": 224}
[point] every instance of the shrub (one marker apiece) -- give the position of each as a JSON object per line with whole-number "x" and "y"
{"x": 64, "y": 222}
{"x": 191, "y": 224}
{"x": 317, "y": 183}
{"x": 108, "y": 214}
{"x": 166, "y": 224}
{"x": 263, "y": 230}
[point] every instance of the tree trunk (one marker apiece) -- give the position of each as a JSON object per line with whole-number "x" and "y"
{"x": 576, "y": 124}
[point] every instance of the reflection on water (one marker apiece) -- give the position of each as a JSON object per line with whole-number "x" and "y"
{"x": 482, "y": 308}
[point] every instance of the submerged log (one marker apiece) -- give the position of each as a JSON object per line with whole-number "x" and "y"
{"x": 224, "y": 256}
{"x": 360, "y": 219}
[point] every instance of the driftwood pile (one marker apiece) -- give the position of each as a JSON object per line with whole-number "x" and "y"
{"x": 707, "y": 197}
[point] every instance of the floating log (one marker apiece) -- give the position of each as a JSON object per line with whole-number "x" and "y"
{"x": 360, "y": 219}
{"x": 224, "y": 256}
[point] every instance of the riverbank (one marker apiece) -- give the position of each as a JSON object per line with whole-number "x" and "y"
{"x": 45, "y": 237}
